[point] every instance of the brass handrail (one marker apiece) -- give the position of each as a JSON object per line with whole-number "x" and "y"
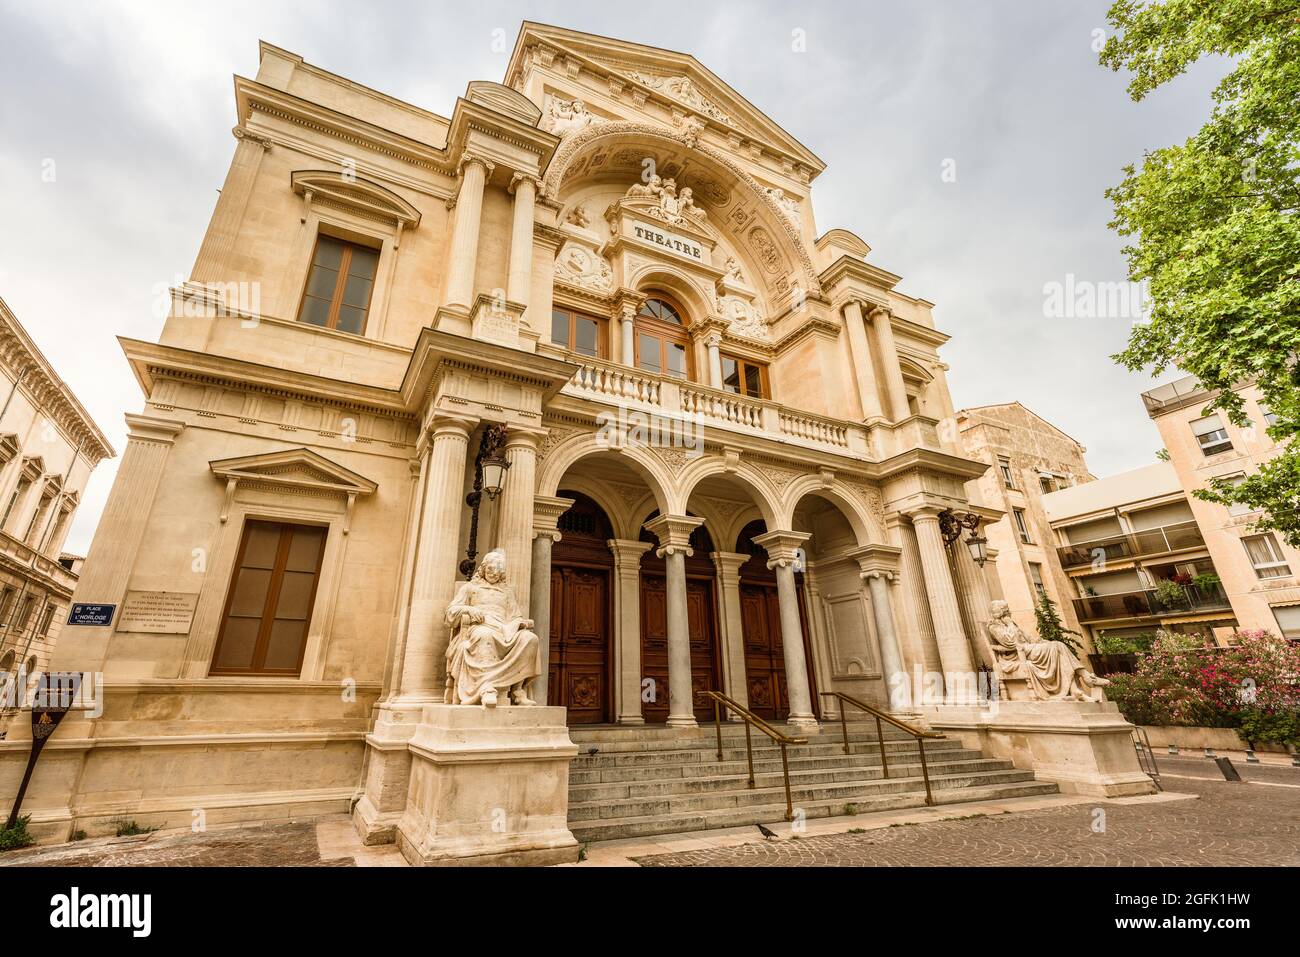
{"x": 721, "y": 701}
{"x": 919, "y": 733}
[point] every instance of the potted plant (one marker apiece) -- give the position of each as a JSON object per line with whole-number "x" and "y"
{"x": 1170, "y": 595}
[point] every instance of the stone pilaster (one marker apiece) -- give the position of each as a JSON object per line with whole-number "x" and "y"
{"x": 732, "y": 626}
{"x": 879, "y": 568}
{"x": 674, "y": 534}
{"x": 627, "y": 629}
{"x": 519, "y": 275}
{"x": 860, "y": 352}
{"x": 895, "y": 390}
{"x": 515, "y": 515}
{"x": 783, "y": 548}
{"x": 210, "y": 264}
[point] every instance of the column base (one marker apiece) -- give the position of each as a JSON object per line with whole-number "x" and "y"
{"x": 678, "y": 721}
{"x": 803, "y": 722}
{"x": 629, "y": 719}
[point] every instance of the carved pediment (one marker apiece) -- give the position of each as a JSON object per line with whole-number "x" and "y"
{"x": 8, "y": 447}
{"x": 355, "y": 195}
{"x": 293, "y": 471}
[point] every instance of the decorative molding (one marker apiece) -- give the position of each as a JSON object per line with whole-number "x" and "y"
{"x": 299, "y": 471}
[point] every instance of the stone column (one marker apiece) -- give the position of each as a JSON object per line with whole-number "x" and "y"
{"x": 546, "y": 516}
{"x": 674, "y": 534}
{"x": 865, "y": 373}
{"x": 627, "y": 322}
{"x": 519, "y": 276}
{"x": 783, "y": 548}
{"x": 712, "y": 343}
{"x": 627, "y": 629}
{"x": 515, "y": 511}
{"x": 474, "y": 171}
{"x": 222, "y": 232}
{"x": 732, "y": 627}
{"x": 891, "y": 656}
{"x": 974, "y": 591}
{"x": 895, "y": 390}
{"x": 954, "y": 648}
{"x": 116, "y": 545}
{"x": 424, "y": 666}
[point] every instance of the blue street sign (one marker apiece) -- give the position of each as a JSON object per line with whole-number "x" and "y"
{"x": 100, "y": 615}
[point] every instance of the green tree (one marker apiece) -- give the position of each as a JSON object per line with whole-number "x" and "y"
{"x": 1212, "y": 221}
{"x": 1050, "y": 626}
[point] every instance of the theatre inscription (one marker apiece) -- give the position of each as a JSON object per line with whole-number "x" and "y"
{"x": 670, "y": 241}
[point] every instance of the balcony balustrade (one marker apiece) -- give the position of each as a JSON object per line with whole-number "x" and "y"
{"x": 1148, "y": 604}
{"x": 1151, "y": 541}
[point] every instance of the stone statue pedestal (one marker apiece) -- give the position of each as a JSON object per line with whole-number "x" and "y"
{"x": 1084, "y": 747}
{"x": 488, "y": 786}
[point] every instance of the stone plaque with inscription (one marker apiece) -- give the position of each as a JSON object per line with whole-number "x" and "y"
{"x": 158, "y": 612}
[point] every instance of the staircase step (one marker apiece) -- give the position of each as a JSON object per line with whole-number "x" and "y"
{"x": 708, "y": 755}
{"x": 645, "y": 825}
{"x": 851, "y": 792}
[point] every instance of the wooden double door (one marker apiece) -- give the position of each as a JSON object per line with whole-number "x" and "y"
{"x": 580, "y": 665}
{"x": 765, "y": 679}
{"x": 701, "y": 604}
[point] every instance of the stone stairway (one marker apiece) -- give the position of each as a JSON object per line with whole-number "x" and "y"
{"x": 656, "y": 780}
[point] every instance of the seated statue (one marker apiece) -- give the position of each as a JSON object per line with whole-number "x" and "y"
{"x": 1052, "y": 669}
{"x": 493, "y": 650}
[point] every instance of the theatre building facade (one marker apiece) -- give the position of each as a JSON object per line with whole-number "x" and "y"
{"x": 724, "y": 426}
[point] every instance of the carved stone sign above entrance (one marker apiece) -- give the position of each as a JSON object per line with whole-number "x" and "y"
{"x": 669, "y": 241}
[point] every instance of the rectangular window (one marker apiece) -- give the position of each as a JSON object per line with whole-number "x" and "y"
{"x": 575, "y": 332}
{"x": 268, "y": 608}
{"x": 6, "y": 605}
{"x": 1211, "y": 435}
{"x": 46, "y": 618}
{"x": 1270, "y": 417}
{"x": 24, "y": 613}
{"x": 744, "y": 377}
{"x": 1008, "y": 479}
{"x": 339, "y": 285}
{"x": 1266, "y": 556}
{"x": 1036, "y": 576}
{"x": 23, "y": 485}
{"x": 1237, "y": 509}
{"x": 1047, "y": 483}
{"x": 1022, "y": 526}
{"x": 1288, "y": 621}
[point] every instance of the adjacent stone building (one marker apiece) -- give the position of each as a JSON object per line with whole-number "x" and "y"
{"x": 49, "y": 446}
{"x": 1027, "y": 458}
{"x": 726, "y": 470}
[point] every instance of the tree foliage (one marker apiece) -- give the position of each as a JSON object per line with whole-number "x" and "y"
{"x": 1050, "y": 626}
{"x": 1212, "y": 223}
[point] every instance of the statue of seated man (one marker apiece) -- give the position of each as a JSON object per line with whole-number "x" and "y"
{"x": 493, "y": 650}
{"x": 1050, "y": 666}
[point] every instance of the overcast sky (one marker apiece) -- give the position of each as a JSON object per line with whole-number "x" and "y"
{"x": 133, "y": 104}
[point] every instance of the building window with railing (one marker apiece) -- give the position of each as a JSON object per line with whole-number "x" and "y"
{"x": 1022, "y": 526}
{"x": 576, "y": 332}
{"x": 1211, "y": 435}
{"x": 1266, "y": 556}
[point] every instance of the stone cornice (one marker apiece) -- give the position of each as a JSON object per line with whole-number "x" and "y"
{"x": 50, "y": 393}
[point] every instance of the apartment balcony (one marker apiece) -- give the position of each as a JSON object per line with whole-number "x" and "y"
{"x": 14, "y": 551}
{"x": 1146, "y": 604}
{"x": 1143, "y": 544}
{"x": 634, "y": 390}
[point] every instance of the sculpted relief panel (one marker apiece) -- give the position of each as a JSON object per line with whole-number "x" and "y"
{"x": 579, "y": 266}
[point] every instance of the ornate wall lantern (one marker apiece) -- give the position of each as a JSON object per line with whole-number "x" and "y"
{"x": 950, "y": 526}
{"x": 490, "y": 467}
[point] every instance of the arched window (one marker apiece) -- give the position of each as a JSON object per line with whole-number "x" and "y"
{"x": 662, "y": 344}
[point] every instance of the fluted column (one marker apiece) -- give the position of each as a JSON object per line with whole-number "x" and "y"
{"x": 519, "y": 275}
{"x": 674, "y": 534}
{"x": 424, "y": 665}
{"x": 954, "y": 649}
{"x": 895, "y": 390}
{"x": 973, "y": 589}
{"x": 210, "y": 264}
{"x": 627, "y": 629}
{"x": 515, "y": 515}
{"x": 860, "y": 352}
{"x": 783, "y": 549}
{"x": 474, "y": 171}
{"x": 116, "y": 545}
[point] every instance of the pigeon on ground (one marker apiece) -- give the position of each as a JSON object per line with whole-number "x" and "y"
{"x": 769, "y": 834}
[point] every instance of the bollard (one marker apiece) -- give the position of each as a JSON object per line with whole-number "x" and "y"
{"x": 1229, "y": 772}
{"x": 1209, "y": 752}
{"x": 1173, "y": 749}
{"x": 1250, "y": 753}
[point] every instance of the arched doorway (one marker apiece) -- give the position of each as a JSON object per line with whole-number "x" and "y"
{"x": 662, "y": 343}
{"x": 578, "y": 673}
{"x": 760, "y": 616}
{"x": 701, "y": 614}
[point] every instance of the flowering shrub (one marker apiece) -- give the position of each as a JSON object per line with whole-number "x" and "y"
{"x": 1253, "y": 685}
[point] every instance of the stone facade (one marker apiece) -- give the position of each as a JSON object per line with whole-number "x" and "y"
{"x": 1028, "y": 457}
{"x": 49, "y": 446}
{"x": 615, "y": 256}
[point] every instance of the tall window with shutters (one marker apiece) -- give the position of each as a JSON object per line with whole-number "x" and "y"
{"x": 268, "y": 607}
{"x": 339, "y": 285}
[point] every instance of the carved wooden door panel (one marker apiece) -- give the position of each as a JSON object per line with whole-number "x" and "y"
{"x": 701, "y": 616}
{"x": 760, "y": 617}
{"x": 579, "y": 664}
{"x": 654, "y": 649}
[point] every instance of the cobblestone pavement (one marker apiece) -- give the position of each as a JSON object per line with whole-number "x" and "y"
{"x": 270, "y": 845}
{"x": 1230, "y": 824}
